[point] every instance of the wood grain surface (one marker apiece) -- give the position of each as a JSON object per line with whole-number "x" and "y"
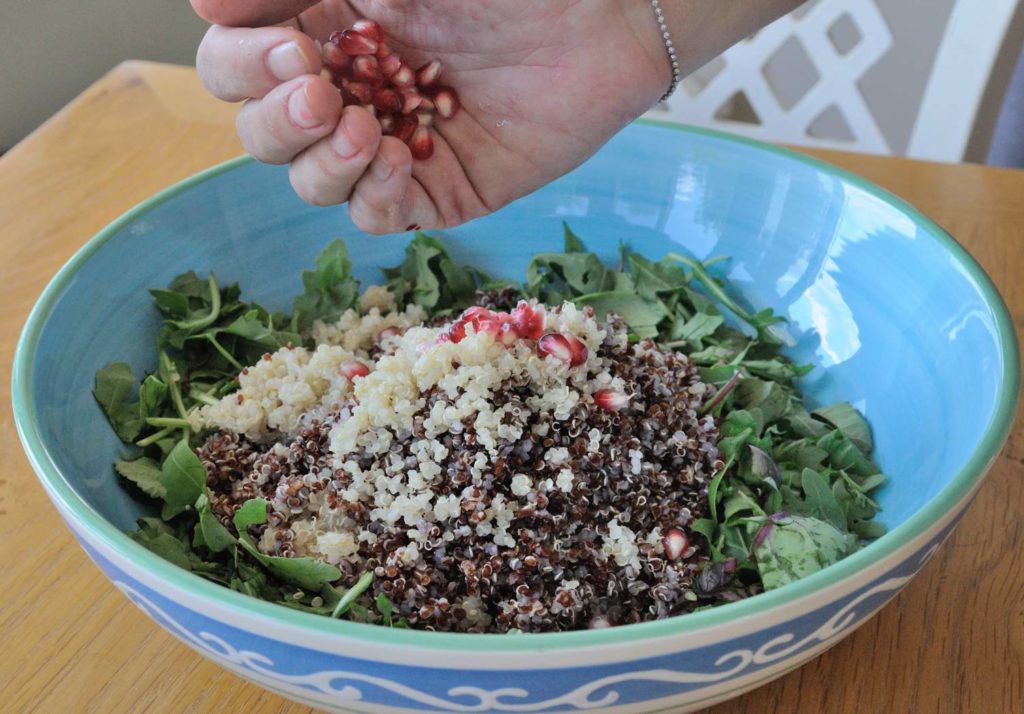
{"x": 953, "y": 641}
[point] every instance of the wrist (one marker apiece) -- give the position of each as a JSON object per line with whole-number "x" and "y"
{"x": 643, "y": 23}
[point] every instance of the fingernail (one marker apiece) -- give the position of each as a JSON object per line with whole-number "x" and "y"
{"x": 299, "y": 109}
{"x": 381, "y": 169}
{"x": 287, "y": 61}
{"x": 341, "y": 141}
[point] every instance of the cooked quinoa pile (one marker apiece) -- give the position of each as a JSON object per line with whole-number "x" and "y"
{"x": 490, "y": 483}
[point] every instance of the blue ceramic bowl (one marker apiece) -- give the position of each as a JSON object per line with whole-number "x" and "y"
{"x": 896, "y": 316}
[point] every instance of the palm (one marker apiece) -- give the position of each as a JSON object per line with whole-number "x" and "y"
{"x": 543, "y": 83}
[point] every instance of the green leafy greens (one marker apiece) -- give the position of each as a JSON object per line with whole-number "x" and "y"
{"x": 793, "y": 494}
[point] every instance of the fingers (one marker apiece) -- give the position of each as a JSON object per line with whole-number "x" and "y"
{"x": 289, "y": 118}
{"x": 325, "y": 173}
{"x": 386, "y": 199}
{"x": 241, "y": 63}
{"x": 249, "y": 13}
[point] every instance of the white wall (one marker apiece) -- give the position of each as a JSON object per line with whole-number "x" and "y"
{"x": 50, "y": 50}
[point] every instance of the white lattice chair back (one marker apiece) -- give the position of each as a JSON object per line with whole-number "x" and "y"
{"x": 799, "y": 81}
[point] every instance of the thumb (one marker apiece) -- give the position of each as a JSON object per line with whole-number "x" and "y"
{"x": 249, "y": 13}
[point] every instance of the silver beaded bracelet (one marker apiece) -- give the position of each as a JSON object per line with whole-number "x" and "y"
{"x": 677, "y": 74}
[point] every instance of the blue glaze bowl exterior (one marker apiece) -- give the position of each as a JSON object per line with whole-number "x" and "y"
{"x": 897, "y": 318}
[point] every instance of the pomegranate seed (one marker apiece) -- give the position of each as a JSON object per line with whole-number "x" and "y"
{"x": 421, "y": 143}
{"x": 427, "y": 75}
{"x": 456, "y": 333}
{"x": 424, "y": 118}
{"x": 507, "y": 334}
{"x": 360, "y": 90}
{"x": 676, "y": 543}
{"x": 369, "y": 28}
{"x": 365, "y": 69}
{"x": 383, "y": 50}
{"x": 411, "y": 100}
{"x": 447, "y": 102}
{"x": 353, "y": 368}
{"x": 334, "y": 58}
{"x": 325, "y": 73}
{"x": 563, "y": 347}
{"x": 387, "y": 100}
{"x": 387, "y": 333}
{"x": 387, "y": 124}
{"x": 426, "y": 105}
{"x": 403, "y": 78}
{"x": 404, "y": 127}
{"x": 372, "y": 109}
{"x": 390, "y": 64}
{"x": 611, "y": 400}
{"x": 529, "y": 320}
{"x": 490, "y": 325}
{"x": 476, "y": 312}
{"x": 355, "y": 43}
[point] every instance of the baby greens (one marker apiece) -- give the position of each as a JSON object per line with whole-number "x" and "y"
{"x": 792, "y": 496}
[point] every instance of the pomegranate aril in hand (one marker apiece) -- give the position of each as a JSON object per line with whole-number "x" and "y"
{"x": 563, "y": 347}
{"x": 334, "y": 58}
{"x": 403, "y": 78}
{"x": 367, "y": 73}
{"x": 365, "y": 68}
{"x": 421, "y": 143}
{"x": 360, "y": 90}
{"x": 404, "y": 127}
{"x": 428, "y": 74}
{"x": 411, "y": 101}
{"x": 369, "y": 28}
{"x": 446, "y": 102}
{"x": 389, "y": 65}
{"x": 387, "y": 100}
{"x": 355, "y": 43}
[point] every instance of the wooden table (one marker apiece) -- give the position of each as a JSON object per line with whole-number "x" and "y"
{"x": 953, "y": 641}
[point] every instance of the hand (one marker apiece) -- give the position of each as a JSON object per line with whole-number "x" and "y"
{"x": 543, "y": 84}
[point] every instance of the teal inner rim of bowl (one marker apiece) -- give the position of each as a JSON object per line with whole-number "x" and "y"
{"x": 702, "y": 150}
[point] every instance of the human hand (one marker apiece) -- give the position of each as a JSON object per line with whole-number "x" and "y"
{"x": 543, "y": 84}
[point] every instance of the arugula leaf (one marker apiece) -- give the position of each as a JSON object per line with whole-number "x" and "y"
{"x": 306, "y": 573}
{"x": 790, "y": 547}
{"x": 329, "y": 290}
{"x": 641, "y": 316}
{"x": 113, "y": 385}
{"x": 352, "y": 594}
{"x": 170, "y": 302}
{"x": 430, "y": 278}
{"x": 844, "y": 454}
{"x": 655, "y": 279}
{"x": 144, "y": 473}
{"x": 573, "y": 244}
{"x": 694, "y": 330}
{"x": 556, "y": 277}
{"x": 183, "y": 478}
{"x": 850, "y": 422}
{"x": 215, "y": 536}
{"x": 821, "y": 500}
{"x": 152, "y": 394}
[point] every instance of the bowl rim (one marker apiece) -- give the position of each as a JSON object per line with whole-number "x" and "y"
{"x": 977, "y": 465}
